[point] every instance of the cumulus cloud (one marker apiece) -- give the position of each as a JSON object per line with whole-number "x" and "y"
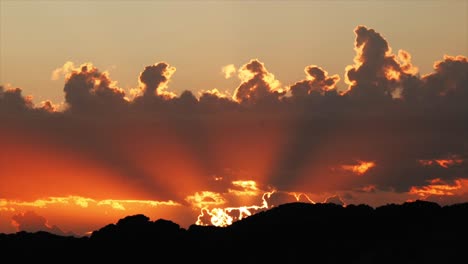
{"x": 13, "y": 101}
{"x": 87, "y": 88}
{"x": 257, "y": 84}
{"x": 449, "y": 78}
{"x": 228, "y": 70}
{"x": 31, "y": 222}
{"x": 317, "y": 81}
{"x": 215, "y": 93}
{"x": 336, "y": 199}
{"x": 154, "y": 79}
{"x": 376, "y": 71}
{"x": 65, "y": 70}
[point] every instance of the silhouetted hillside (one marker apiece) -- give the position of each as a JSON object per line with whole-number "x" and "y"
{"x": 416, "y": 232}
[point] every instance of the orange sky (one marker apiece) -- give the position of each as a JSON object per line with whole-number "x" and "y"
{"x": 377, "y": 128}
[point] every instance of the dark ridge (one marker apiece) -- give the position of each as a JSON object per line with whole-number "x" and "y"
{"x": 412, "y": 232}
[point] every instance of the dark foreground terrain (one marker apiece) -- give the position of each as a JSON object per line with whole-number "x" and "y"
{"x": 416, "y": 232}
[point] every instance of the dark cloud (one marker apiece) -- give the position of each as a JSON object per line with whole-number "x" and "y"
{"x": 155, "y": 78}
{"x": 317, "y": 81}
{"x": 258, "y": 84}
{"x": 171, "y": 146}
{"x": 31, "y": 222}
{"x": 376, "y": 72}
{"x": 449, "y": 79}
{"x": 12, "y": 101}
{"x": 89, "y": 90}
{"x": 48, "y": 106}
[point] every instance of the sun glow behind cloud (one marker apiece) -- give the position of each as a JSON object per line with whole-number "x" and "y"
{"x": 60, "y": 211}
{"x": 445, "y": 163}
{"x": 211, "y": 214}
{"x": 360, "y": 168}
{"x": 437, "y": 187}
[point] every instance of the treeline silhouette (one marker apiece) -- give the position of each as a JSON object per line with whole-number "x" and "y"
{"x": 412, "y": 232}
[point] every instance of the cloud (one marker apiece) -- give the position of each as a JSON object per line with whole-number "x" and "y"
{"x": 215, "y": 93}
{"x": 82, "y": 214}
{"x": 317, "y": 81}
{"x": 228, "y": 70}
{"x": 376, "y": 71}
{"x": 437, "y": 187}
{"x": 360, "y": 168}
{"x": 205, "y": 199}
{"x": 392, "y": 131}
{"x": 13, "y": 101}
{"x": 154, "y": 79}
{"x": 257, "y": 84}
{"x": 449, "y": 79}
{"x": 65, "y": 70}
{"x": 31, "y": 222}
{"x": 88, "y": 89}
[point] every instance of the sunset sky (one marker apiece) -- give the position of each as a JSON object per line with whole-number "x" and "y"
{"x": 208, "y": 111}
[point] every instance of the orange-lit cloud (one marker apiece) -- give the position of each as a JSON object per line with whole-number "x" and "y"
{"x": 437, "y": 187}
{"x": 360, "y": 168}
{"x": 257, "y": 83}
{"x": 215, "y": 93}
{"x": 41, "y": 203}
{"x": 78, "y": 201}
{"x": 244, "y": 188}
{"x": 209, "y": 203}
{"x": 244, "y": 197}
{"x": 228, "y": 70}
{"x": 25, "y": 217}
{"x": 226, "y": 216}
{"x": 154, "y": 79}
{"x": 205, "y": 199}
{"x": 405, "y": 63}
{"x": 445, "y": 163}
{"x": 376, "y": 69}
{"x": 448, "y": 77}
{"x": 31, "y": 222}
{"x": 67, "y": 68}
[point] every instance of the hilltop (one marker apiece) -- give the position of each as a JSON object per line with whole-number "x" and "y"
{"x": 412, "y": 232}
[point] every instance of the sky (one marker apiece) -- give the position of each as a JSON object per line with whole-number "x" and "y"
{"x": 208, "y": 111}
{"x": 199, "y": 37}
